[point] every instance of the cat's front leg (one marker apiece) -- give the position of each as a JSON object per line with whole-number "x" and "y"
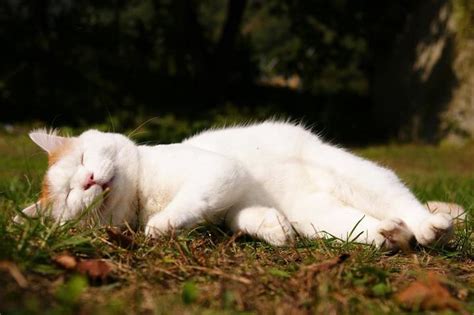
{"x": 261, "y": 222}
{"x": 206, "y": 194}
{"x": 183, "y": 212}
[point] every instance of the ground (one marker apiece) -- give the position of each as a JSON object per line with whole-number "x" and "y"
{"x": 71, "y": 270}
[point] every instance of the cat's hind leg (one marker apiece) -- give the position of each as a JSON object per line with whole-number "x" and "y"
{"x": 261, "y": 222}
{"x": 320, "y": 213}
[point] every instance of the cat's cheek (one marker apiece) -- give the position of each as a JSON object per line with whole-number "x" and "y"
{"x": 74, "y": 203}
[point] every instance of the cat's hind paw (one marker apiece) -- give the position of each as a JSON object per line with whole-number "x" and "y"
{"x": 438, "y": 228}
{"x": 394, "y": 234}
{"x": 274, "y": 229}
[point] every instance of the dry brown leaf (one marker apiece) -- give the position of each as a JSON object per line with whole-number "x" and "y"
{"x": 428, "y": 293}
{"x": 96, "y": 269}
{"x": 66, "y": 261}
{"x": 14, "y": 272}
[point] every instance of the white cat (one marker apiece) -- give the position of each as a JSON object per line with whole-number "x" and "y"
{"x": 270, "y": 180}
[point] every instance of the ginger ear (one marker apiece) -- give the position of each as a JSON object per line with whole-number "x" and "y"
{"x": 30, "y": 211}
{"x": 48, "y": 141}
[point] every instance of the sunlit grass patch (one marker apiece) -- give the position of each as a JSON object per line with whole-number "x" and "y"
{"x": 208, "y": 270}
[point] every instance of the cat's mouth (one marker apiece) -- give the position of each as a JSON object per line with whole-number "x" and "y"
{"x": 106, "y": 187}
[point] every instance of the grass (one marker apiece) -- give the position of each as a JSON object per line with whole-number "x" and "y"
{"x": 207, "y": 271}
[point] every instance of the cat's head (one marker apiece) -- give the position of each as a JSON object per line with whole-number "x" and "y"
{"x": 94, "y": 173}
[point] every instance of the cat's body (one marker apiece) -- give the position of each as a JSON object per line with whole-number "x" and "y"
{"x": 269, "y": 180}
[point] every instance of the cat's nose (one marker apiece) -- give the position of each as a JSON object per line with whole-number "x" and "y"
{"x": 89, "y": 181}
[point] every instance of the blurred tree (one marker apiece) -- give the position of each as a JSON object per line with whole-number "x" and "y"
{"x": 79, "y": 62}
{"x": 423, "y": 88}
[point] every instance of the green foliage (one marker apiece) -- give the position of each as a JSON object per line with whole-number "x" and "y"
{"x": 70, "y": 292}
{"x": 381, "y": 289}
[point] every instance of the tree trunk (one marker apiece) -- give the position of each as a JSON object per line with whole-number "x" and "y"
{"x": 423, "y": 90}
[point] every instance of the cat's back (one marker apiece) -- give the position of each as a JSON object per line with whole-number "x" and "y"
{"x": 269, "y": 138}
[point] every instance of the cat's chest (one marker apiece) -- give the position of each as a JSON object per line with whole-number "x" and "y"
{"x": 153, "y": 202}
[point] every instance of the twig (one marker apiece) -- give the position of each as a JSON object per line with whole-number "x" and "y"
{"x": 14, "y": 272}
{"x": 220, "y": 273}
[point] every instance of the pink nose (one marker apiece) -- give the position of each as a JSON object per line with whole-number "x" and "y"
{"x": 89, "y": 182}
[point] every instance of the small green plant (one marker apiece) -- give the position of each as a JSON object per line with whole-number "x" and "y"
{"x": 190, "y": 293}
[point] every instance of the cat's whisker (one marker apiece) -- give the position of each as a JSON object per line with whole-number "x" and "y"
{"x": 134, "y": 131}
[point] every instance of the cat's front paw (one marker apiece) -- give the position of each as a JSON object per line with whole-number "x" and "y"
{"x": 275, "y": 229}
{"x": 394, "y": 234}
{"x": 158, "y": 226}
{"x": 275, "y": 232}
{"x": 438, "y": 228}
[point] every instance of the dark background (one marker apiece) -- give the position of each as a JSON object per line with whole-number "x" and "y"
{"x": 195, "y": 63}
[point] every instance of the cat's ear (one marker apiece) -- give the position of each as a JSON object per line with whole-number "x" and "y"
{"x": 30, "y": 211}
{"x": 48, "y": 141}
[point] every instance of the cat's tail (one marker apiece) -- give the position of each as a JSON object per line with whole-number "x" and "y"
{"x": 457, "y": 212}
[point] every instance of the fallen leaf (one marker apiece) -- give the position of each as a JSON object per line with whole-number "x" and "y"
{"x": 120, "y": 238}
{"x": 427, "y": 293}
{"x": 94, "y": 268}
{"x": 66, "y": 261}
{"x": 14, "y": 272}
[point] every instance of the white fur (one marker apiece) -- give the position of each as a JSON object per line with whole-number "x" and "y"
{"x": 268, "y": 180}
